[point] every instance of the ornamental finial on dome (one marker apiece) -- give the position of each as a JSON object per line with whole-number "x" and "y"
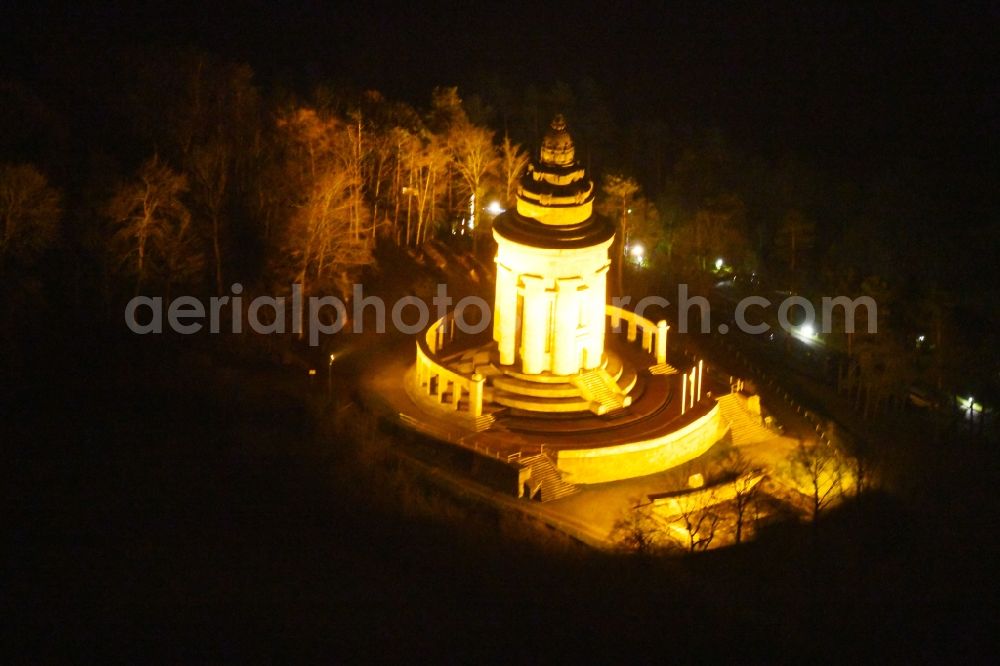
{"x": 557, "y": 145}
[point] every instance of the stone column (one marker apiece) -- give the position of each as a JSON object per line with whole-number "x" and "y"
{"x": 534, "y": 325}
{"x": 505, "y": 314}
{"x": 476, "y": 395}
{"x": 565, "y": 360}
{"x": 598, "y": 292}
{"x": 661, "y": 341}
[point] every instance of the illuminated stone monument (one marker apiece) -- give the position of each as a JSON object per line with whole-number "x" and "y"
{"x": 555, "y": 387}
{"x": 551, "y": 287}
{"x": 552, "y": 264}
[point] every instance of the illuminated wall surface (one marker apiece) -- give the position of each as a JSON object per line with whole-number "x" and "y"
{"x": 552, "y": 264}
{"x": 626, "y": 461}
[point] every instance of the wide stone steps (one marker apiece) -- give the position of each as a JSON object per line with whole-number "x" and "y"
{"x": 662, "y": 369}
{"x": 538, "y": 389}
{"x": 602, "y": 391}
{"x": 608, "y": 362}
{"x": 744, "y": 427}
{"x": 531, "y": 403}
{"x": 546, "y": 476}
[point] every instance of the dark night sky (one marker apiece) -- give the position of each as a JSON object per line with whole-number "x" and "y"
{"x": 849, "y": 84}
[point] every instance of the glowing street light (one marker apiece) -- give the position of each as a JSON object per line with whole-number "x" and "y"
{"x": 806, "y": 333}
{"x": 494, "y": 208}
{"x": 638, "y": 253}
{"x": 971, "y": 405}
{"x": 718, "y": 264}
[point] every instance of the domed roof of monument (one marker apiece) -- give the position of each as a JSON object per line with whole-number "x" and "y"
{"x": 555, "y": 200}
{"x": 557, "y": 145}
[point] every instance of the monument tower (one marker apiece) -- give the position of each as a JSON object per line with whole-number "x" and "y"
{"x": 552, "y": 264}
{"x": 554, "y": 386}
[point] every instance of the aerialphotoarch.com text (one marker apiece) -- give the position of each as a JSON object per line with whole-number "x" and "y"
{"x": 327, "y": 315}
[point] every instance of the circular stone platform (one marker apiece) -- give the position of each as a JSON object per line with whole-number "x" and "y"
{"x": 649, "y": 436}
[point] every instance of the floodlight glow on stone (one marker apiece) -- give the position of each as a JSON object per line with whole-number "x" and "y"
{"x": 548, "y": 355}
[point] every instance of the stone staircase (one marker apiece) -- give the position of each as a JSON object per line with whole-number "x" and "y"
{"x": 484, "y": 422}
{"x": 602, "y": 391}
{"x": 662, "y": 369}
{"x": 547, "y": 477}
{"x": 744, "y": 426}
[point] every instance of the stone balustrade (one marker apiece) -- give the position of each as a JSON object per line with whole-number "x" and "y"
{"x": 435, "y": 379}
{"x": 654, "y": 336}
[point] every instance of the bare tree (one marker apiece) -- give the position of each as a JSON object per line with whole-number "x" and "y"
{"x": 619, "y": 191}
{"x": 152, "y": 225}
{"x": 210, "y": 170}
{"x": 700, "y": 516}
{"x": 795, "y": 235}
{"x": 325, "y": 227}
{"x": 474, "y": 157}
{"x": 406, "y": 147}
{"x": 637, "y": 531}
{"x": 513, "y": 160}
{"x": 744, "y": 482}
{"x": 204, "y": 116}
{"x": 716, "y": 229}
{"x": 29, "y": 213}
{"x": 816, "y": 467}
{"x": 354, "y": 159}
{"x": 380, "y": 169}
{"x": 183, "y": 257}
{"x": 431, "y": 165}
